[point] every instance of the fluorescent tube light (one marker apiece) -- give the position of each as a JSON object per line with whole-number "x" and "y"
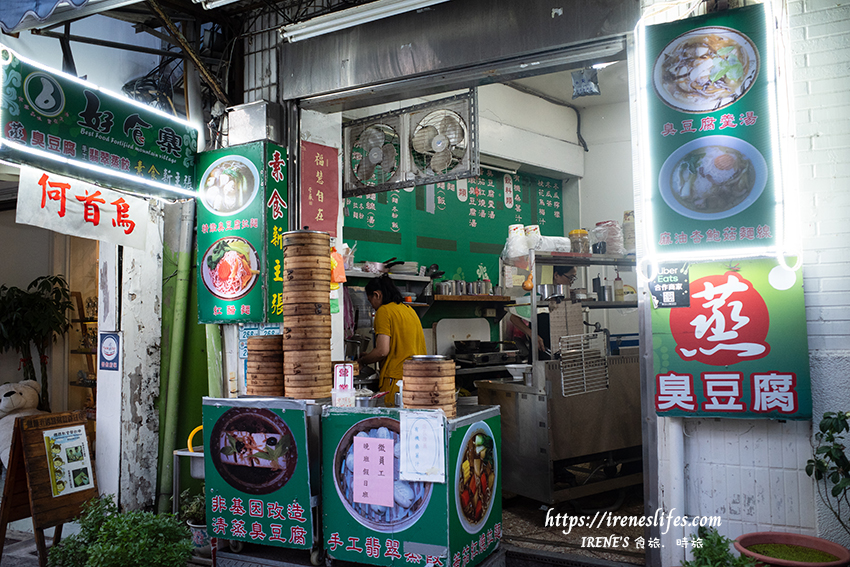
{"x": 351, "y": 17}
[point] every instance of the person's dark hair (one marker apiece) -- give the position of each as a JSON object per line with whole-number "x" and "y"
{"x": 562, "y": 270}
{"x": 390, "y": 293}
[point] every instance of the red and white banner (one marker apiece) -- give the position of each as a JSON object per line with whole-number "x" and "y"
{"x": 70, "y": 206}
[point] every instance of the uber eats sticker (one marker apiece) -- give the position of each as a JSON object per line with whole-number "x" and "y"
{"x": 671, "y": 287}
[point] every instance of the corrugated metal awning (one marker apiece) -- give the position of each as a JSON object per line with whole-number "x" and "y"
{"x": 20, "y": 15}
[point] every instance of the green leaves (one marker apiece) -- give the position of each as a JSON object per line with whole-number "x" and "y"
{"x": 716, "y": 552}
{"x": 830, "y": 466}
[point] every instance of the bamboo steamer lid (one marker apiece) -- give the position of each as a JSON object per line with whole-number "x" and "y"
{"x": 264, "y": 343}
{"x": 425, "y": 373}
{"x": 307, "y": 262}
{"x": 307, "y": 286}
{"x": 297, "y": 309}
{"x": 306, "y": 297}
{"x": 306, "y": 237}
{"x": 306, "y": 250}
{"x": 306, "y": 274}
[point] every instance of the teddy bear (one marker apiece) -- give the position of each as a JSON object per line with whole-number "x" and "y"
{"x": 17, "y": 399}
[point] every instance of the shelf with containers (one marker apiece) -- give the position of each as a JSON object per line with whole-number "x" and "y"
{"x": 549, "y": 455}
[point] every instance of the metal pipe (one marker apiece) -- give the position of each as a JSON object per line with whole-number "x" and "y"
{"x": 175, "y": 362}
{"x": 104, "y": 43}
{"x": 215, "y": 364}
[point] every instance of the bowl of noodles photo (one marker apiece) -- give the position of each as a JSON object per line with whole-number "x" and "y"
{"x": 230, "y": 267}
{"x": 705, "y": 69}
{"x": 229, "y": 185}
{"x": 475, "y": 478}
{"x": 713, "y": 177}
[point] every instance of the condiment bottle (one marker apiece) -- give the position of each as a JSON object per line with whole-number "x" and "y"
{"x": 619, "y": 294}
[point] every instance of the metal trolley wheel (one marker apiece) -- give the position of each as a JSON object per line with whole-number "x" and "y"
{"x": 236, "y": 546}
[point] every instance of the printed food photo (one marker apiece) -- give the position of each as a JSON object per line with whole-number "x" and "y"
{"x": 230, "y": 267}
{"x": 476, "y": 476}
{"x": 229, "y": 185}
{"x": 705, "y": 69}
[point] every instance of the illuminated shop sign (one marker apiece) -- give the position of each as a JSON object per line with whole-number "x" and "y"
{"x": 56, "y": 121}
{"x": 738, "y": 349}
{"x": 712, "y": 176}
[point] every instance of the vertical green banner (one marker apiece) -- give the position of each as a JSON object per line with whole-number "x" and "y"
{"x": 739, "y": 350}
{"x": 242, "y": 214}
{"x": 475, "y": 498}
{"x": 711, "y": 135}
{"x": 256, "y": 470}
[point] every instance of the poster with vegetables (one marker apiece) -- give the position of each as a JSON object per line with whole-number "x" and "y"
{"x": 710, "y": 98}
{"x": 69, "y": 463}
{"x": 738, "y": 349}
{"x": 242, "y": 214}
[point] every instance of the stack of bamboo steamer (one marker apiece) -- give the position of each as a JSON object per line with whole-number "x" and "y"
{"x": 307, "y": 366}
{"x": 429, "y": 383}
{"x": 264, "y": 376}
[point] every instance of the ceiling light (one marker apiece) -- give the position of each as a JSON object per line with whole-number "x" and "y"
{"x": 351, "y": 17}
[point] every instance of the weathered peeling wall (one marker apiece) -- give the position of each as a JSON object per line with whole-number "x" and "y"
{"x": 141, "y": 314}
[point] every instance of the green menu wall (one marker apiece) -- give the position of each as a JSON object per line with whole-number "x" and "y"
{"x": 460, "y": 225}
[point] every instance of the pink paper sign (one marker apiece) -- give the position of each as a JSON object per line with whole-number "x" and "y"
{"x": 373, "y": 471}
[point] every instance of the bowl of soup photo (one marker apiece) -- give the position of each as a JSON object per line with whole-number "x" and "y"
{"x": 713, "y": 177}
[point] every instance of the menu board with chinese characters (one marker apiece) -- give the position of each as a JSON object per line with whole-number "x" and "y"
{"x": 242, "y": 215}
{"x": 52, "y": 118}
{"x": 461, "y": 225}
{"x": 710, "y": 90}
{"x": 319, "y": 187}
{"x": 739, "y": 350}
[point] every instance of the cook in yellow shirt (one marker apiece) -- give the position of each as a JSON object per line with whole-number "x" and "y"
{"x": 398, "y": 334}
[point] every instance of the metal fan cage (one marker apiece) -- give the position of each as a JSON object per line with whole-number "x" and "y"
{"x": 584, "y": 364}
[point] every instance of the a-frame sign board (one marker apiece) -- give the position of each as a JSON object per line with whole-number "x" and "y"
{"x": 50, "y": 476}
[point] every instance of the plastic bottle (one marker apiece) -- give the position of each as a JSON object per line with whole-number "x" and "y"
{"x": 619, "y": 294}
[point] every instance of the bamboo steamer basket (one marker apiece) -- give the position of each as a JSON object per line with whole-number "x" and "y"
{"x": 306, "y": 250}
{"x": 266, "y": 392}
{"x": 289, "y": 297}
{"x": 307, "y": 367}
{"x": 306, "y": 349}
{"x": 302, "y": 309}
{"x": 265, "y": 367}
{"x": 307, "y": 321}
{"x": 307, "y": 263}
{"x": 306, "y": 237}
{"x": 429, "y": 382}
{"x": 273, "y": 380}
{"x": 307, "y": 287}
{"x": 306, "y": 274}
{"x": 307, "y": 380}
{"x": 264, "y": 343}
{"x": 319, "y": 332}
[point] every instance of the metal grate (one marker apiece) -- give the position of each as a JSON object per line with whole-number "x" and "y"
{"x": 584, "y": 366}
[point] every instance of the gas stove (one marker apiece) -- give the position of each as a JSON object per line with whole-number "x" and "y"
{"x": 488, "y": 358}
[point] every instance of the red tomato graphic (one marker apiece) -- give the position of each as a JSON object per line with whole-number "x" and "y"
{"x": 726, "y": 323}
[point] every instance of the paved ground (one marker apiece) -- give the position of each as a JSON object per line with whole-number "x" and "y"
{"x": 19, "y": 550}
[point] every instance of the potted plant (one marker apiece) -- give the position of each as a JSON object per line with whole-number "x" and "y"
{"x": 714, "y": 551}
{"x": 35, "y": 316}
{"x": 108, "y": 538}
{"x": 831, "y": 470}
{"x": 193, "y": 510}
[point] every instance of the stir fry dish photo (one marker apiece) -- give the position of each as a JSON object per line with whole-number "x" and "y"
{"x": 230, "y": 268}
{"x": 477, "y": 477}
{"x": 706, "y": 69}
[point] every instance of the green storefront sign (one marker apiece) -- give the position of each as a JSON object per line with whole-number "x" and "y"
{"x": 55, "y": 121}
{"x": 711, "y": 114}
{"x": 458, "y": 522}
{"x": 242, "y": 215}
{"x": 739, "y": 349}
{"x": 257, "y": 471}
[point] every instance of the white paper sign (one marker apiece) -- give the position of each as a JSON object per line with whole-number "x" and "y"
{"x": 423, "y": 446}
{"x": 70, "y": 206}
